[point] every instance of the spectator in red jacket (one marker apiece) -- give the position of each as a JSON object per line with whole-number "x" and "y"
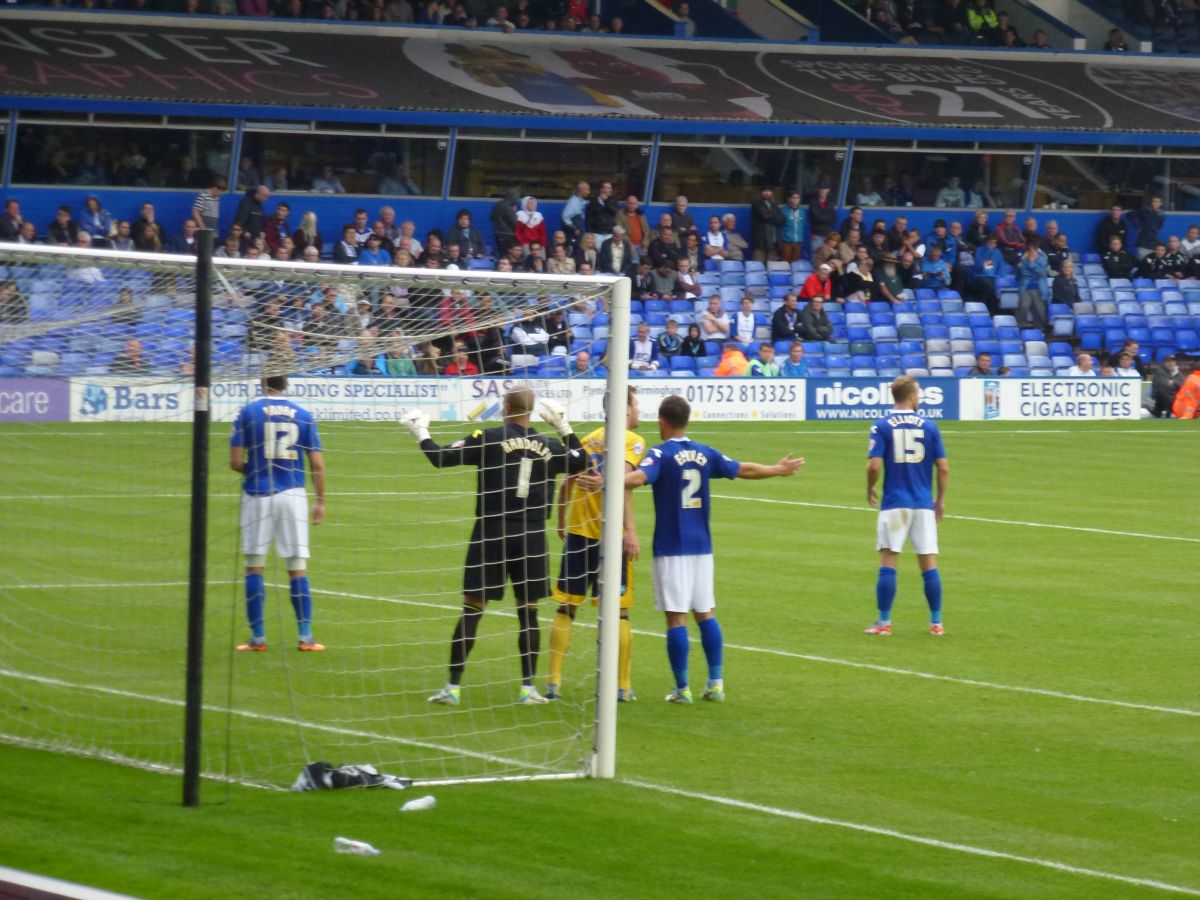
{"x": 818, "y": 284}
{"x": 531, "y": 224}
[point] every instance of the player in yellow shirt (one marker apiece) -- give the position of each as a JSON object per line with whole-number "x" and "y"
{"x": 579, "y": 524}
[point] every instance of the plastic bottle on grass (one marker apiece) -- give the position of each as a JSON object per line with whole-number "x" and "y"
{"x": 426, "y": 802}
{"x": 355, "y": 848}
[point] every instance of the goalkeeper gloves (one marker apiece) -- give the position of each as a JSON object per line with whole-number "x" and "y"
{"x": 417, "y": 423}
{"x": 555, "y": 416}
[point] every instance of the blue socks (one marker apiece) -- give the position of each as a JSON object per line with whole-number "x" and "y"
{"x": 713, "y": 643}
{"x": 678, "y": 648}
{"x": 933, "y": 594}
{"x": 677, "y": 653}
{"x": 255, "y": 594}
{"x": 302, "y": 604}
{"x": 885, "y": 593}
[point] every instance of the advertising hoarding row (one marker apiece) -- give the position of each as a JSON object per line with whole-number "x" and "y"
{"x": 112, "y": 399}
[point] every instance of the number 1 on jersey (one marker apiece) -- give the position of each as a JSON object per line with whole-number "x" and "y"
{"x": 907, "y": 446}
{"x": 691, "y": 478}
{"x": 524, "y": 474}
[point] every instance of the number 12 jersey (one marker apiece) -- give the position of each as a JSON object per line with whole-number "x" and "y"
{"x": 276, "y": 435}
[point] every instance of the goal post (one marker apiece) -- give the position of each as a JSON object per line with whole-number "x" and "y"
{"x": 612, "y": 560}
{"x": 93, "y": 599}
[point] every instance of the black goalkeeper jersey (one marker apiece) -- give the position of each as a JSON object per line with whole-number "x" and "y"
{"x": 517, "y": 468}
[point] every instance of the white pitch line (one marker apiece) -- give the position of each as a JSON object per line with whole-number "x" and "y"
{"x": 266, "y": 717}
{"x": 1082, "y": 528}
{"x": 43, "y": 497}
{"x": 986, "y": 432}
{"x": 913, "y": 838}
{"x": 951, "y": 679}
{"x": 225, "y": 495}
{"x": 745, "y": 648}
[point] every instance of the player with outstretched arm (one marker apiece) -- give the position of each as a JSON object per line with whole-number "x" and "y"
{"x": 271, "y": 437}
{"x": 579, "y": 525}
{"x": 517, "y": 467}
{"x": 680, "y": 470}
{"x": 907, "y": 447}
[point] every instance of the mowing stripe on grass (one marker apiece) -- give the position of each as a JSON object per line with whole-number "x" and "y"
{"x": 664, "y": 789}
{"x": 787, "y": 654}
{"x": 807, "y": 503}
{"x": 1131, "y": 534}
{"x": 266, "y": 717}
{"x": 829, "y": 660}
{"x": 912, "y": 838}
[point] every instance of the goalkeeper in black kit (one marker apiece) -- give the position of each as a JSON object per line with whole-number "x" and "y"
{"x": 515, "y": 485}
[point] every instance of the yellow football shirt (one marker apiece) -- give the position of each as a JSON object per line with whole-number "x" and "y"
{"x": 584, "y": 512}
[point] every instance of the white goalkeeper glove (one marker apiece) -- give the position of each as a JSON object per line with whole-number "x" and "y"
{"x": 417, "y": 422}
{"x": 555, "y": 416}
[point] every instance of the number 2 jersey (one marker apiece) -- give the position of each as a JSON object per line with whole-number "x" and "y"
{"x": 680, "y": 471}
{"x": 909, "y": 444}
{"x": 276, "y": 435}
{"x": 517, "y": 467}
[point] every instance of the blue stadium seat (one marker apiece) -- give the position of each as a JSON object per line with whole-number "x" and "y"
{"x": 732, "y": 265}
{"x": 683, "y": 363}
{"x": 936, "y": 331}
{"x": 731, "y": 297}
{"x": 884, "y": 333}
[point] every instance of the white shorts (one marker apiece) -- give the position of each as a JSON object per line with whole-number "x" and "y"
{"x": 918, "y": 525}
{"x": 282, "y": 517}
{"x": 683, "y": 583}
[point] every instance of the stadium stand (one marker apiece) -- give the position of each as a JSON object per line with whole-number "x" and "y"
{"x": 920, "y": 330}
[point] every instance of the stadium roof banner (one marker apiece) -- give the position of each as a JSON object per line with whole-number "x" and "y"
{"x": 294, "y": 65}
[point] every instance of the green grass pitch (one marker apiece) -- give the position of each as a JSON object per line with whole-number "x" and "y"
{"x": 1047, "y": 746}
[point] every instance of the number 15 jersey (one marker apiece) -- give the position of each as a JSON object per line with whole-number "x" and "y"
{"x": 909, "y": 444}
{"x": 680, "y": 471}
{"x": 276, "y": 435}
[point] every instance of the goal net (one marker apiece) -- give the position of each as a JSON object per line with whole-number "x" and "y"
{"x": 96, "y": 362}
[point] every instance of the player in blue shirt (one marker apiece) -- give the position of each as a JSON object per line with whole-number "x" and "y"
{"x": 680, "y": 470}
{"x": 271, "y": 437}
{"x": 907, "y": 447}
